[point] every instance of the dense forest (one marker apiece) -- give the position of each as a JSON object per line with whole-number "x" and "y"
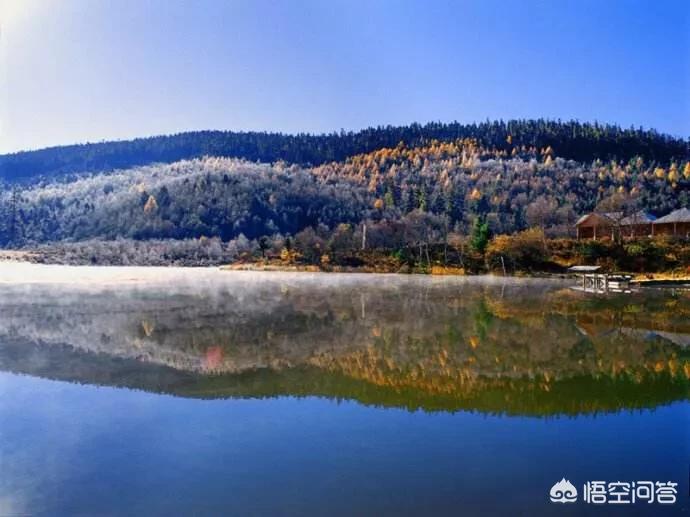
{"x": 573, "y": 140}
{"x": 405, "y": 198}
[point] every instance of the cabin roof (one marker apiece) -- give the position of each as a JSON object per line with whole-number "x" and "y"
{"x": 584, "y": 269}
{"x": 682, "y": 215}
{"x": 582, "y": 219}
{"x": 607, "y": 217}
{"x": 640, "y": 217}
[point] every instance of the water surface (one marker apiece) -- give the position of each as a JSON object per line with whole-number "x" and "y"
{"x": 207, "y": 392}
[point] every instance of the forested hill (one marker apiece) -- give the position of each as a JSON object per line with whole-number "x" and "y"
{"x": 404, "y": 196}
{"x": 583, "y": 142}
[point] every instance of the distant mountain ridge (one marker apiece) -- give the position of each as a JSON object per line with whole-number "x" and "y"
{"x": 572, "y": 139}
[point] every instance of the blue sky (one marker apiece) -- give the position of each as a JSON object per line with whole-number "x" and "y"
{"x": 89, "y": 70}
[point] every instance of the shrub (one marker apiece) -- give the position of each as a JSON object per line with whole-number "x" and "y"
{"x": 592, "y": 251}
{"x": 524, "y": 250}
{"x": 644, "y": 255}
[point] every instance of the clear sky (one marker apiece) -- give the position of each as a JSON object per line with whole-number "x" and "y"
{"x": 88, "y": 70}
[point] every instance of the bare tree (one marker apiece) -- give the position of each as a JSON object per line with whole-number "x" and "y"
{"x": 617, "y": 208}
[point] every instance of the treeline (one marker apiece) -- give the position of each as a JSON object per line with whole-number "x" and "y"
{"x": 155, "y": 252}
{"x": 524, "y": 252}
{"x": 574, "y": 140}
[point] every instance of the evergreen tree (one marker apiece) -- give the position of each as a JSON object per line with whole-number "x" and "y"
{"x": 480, "y": 236}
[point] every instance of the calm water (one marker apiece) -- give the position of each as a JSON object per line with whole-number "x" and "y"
{"x": 215, "y": 393}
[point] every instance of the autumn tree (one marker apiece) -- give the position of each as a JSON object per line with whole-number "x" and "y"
{"x": 522, "y": 251}
{"x": 310, "y": 245}
{"x": 341, "y": 240}
{"x": 541, "y": 212}
{"x": 617, "y": 207}
{"x": 151, "y": 205}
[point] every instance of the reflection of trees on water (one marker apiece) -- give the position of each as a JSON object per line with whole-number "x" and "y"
{"x": 408, "y": 343}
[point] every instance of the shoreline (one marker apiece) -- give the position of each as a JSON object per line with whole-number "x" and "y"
{"x": 18, "y": 271}
{"x": 22, "y": 272}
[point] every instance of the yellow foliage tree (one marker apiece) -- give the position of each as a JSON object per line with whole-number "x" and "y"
{"x": 287, "y": 255}
{"x": 524, "y": 250}
{"x": 151, "y": 205}
{"x": 686, "y": 171}
{"x": 660, "y": 173}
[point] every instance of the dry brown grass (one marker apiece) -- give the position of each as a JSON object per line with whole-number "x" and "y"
{"x": 15, "y": 255}
{"x": 447, "y": 270}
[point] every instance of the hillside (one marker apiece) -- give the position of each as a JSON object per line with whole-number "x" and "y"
{"x": 441, "y": 186}
{"x": 411, "y": 203}
{"x": 573, "y": 140}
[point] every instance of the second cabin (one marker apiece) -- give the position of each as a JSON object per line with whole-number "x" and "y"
{"x": 612, "y": 225}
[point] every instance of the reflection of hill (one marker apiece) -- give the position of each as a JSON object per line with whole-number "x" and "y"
{"x": 405, "y": 342}
{"x": 650, "y": 310}
{"x": 523, "y": 396}
{"x": 68, "y": 364}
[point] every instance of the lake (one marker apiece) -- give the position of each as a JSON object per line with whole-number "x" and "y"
{"x": 131, "y": 391}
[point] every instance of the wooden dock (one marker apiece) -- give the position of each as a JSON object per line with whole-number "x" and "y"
{"x": 592, "y": 281}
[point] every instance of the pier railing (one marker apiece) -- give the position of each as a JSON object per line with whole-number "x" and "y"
{"x": 591, "y": 281}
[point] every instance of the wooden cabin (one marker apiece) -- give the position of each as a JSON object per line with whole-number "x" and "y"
{"x": 638, "y": 224}
{"x": 595, "y": 226}
{"x": 677, "y": 223}
{"x": 610, "y": 225}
